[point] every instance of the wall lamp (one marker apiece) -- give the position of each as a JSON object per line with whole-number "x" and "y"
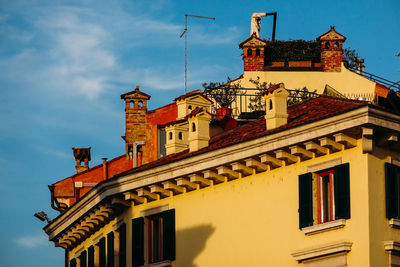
{"x": 41, "y": 215}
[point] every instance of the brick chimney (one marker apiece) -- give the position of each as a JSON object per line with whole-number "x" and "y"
{"x": 253, "y": 53}
{"x": 135, "y": 119}
{"x": 276, "y": 106}
{"x": 82, "y": 158}
{"x": 331, "y": 50}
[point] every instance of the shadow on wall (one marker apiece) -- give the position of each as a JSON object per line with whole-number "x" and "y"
{"x": 190, "y": 243}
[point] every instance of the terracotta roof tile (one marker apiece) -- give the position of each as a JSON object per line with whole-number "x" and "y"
{"x": 305, "y": 112}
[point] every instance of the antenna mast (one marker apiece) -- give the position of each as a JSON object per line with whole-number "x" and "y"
{"x": 185, "y": 33}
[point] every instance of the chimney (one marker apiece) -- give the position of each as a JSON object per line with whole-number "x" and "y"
{"x": 331, "y": 50}
{"x": 276, "y": 106}
{"x": 253, "y": 53}
{"x": 177, "y": 137}
{"x": 199, "y": 129}
{"x": 191, "y": 101}
{"x": 135, "y": 119}
{"x": 82, "y": 158}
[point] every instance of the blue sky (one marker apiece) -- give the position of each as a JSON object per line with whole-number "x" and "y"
{"x": 64, "y": 65}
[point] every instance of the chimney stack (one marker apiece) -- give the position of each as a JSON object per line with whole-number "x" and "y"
{"x": 276, "y": 106}
{"x": 82, "y": 158}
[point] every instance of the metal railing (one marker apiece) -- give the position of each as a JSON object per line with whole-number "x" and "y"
{"x": 375, "y": 78}
{"x": 248, "y": 100}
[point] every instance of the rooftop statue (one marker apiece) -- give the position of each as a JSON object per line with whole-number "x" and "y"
{"x": 256, "y": 23}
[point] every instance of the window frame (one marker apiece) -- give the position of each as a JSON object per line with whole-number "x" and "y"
{"x": 321, "y": 200}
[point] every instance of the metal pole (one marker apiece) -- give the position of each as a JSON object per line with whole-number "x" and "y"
{"x": 185, "y": 33}
{"x": 186, "y": 54}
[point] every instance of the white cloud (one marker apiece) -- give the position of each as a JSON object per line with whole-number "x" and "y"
{"x": 31, "y": 241}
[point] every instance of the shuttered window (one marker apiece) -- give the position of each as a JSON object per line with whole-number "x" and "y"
{"x": 122, "y": 245}
{"x": 332, "y": 198}
{"x": 168, "y": 223}
{"x": 102, "y": 252}
{"x": 91, "y": 256}
{"x": 159, "y": 230}
{"x": 392, "y": 177}
{"x": 137, "y": 241}
{"x": 305, "y": 200}
{"x": 83, "y": 259}
{"x": 110, "y": 249}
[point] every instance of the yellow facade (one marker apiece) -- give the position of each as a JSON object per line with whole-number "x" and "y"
{"x": 253, "y": 219}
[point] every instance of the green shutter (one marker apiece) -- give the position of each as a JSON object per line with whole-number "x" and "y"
{"x": 342, "y": 191}
{"x": 122, "y": 245}
{"x": 102, "y": 252}
{"x": 168, "y": 225}
{"x": 83, "y": 259}
{"x": 137, "y": 242}
{"x": 305, "y": 200}
{"x": 110, "y": 249}
{"x": 91, "y": 256}
{"x": 72, "y": 263}
{"x": 392, "y": 190}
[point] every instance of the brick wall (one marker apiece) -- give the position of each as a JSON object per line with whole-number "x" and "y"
{"x": 253, "y": 62}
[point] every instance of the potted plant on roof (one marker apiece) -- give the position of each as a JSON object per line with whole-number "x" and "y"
{"x": 224, "y": 94}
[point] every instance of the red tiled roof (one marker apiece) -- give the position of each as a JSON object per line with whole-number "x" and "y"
{"x": 305, "y": 112}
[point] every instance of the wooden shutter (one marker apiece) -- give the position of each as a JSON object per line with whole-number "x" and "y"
{"x": 168, "y": 225}
{"x": 102, "y": 252}
{"x": 138, "y": 241}
{"x": 342, "y": 191}
{"x": 392, "y": 190}
{"x": 72, "y": 263}
{"x": 305, "y": 200}
{"x": 91, "y": 256}
{"x": 110, "y": 249}
{"x": 83, "y": 259}
{"x": 122, "y": 245}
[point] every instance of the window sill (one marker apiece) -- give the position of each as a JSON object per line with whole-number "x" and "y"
{"x": 395, "y": 223}
{"x": 319, "y": 228}
{"x": 159, "y": 264}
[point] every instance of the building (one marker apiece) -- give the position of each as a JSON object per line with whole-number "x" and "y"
{"x": 314, "y": 183}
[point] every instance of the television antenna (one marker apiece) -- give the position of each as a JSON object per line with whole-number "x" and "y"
{"x": 184, "y": 33}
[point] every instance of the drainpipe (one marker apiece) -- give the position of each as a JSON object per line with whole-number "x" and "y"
{"x": 105, "y": 169}
{"x": 136, "y": 145}
{"x": 51, "y": 188}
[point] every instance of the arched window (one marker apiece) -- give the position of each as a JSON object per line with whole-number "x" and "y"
{"x": 249, "y": 52}
{"x": 327, "y": 45}
{"x": 270, "y": 104}
{"x": 336, "y": 45}
{"x": 258, "y": 52}
{"x": 180, "y": 136}
{"x": 170, "y": 136}
{"x": 193, "y": 127}
{"x": 140, "y": 104}
{"x": 131, "y": 104}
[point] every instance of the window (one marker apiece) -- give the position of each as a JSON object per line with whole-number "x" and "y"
{"x": 102, "y": 252}
{"x": 336, "y": 45}
{"x": 193, "y": 127}
{"x": 332, "y": 198}
{"x": 162, "y": 140}
{"x": 258, "y": 52}
{"x": 83, "y": 259}
{"x": 392, "y": 177}
{"x": 249, "y": 52}
{"x": 327, "y": 45}
{"x": 91, "y": 256}
{"x": 72, "y": 263}
{"x": 110, "y": 249}
{"x": 180, "y": 135}
{"x": 153, "y": 238}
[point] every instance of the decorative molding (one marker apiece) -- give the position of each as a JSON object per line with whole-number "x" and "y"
{"x": 391, "y": 246}
{"x": 318, "y": 228}
{"x": 322, "y": 251}
{"x": 324, "y": 165}
{"x": 395, "y": 223}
